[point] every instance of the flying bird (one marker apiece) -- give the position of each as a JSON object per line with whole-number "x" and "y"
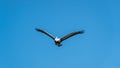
{"x": 59, "y": 40}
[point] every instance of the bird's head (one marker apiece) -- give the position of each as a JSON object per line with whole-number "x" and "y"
{"x": 57, "y": 39}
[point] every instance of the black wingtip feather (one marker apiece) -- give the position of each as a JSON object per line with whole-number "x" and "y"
{"x": 37, "y": 29}
{"x": 81, "y": 32}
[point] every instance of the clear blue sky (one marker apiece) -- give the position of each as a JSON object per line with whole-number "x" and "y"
{"x": 23, "y": 47}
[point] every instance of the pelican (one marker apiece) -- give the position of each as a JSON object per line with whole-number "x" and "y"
{"x": 59, "y": 40}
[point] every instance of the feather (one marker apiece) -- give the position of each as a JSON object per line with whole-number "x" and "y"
{"x": 71, "y": 34}
{"x": 39, "y": 30}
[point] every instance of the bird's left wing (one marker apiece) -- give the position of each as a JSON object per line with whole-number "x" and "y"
{"x": 71, "y": 34}
{"x": 45, "y": 33}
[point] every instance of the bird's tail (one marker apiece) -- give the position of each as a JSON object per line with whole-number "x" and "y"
{"x": 58, "y": 44}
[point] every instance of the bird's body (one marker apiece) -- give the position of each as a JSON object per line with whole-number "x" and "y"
{"x": 59, "y": 40}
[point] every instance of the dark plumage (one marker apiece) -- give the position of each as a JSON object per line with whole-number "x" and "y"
{"x": 59, "y": 40}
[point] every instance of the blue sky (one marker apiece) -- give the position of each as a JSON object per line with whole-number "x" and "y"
{"x": 23, "y": 47}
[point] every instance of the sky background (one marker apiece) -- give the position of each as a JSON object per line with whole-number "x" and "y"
{"x": 23, "y": 47}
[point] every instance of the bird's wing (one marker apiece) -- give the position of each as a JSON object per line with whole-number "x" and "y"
{"x": 71, "y": 34}
{"x": 45, "y": 33}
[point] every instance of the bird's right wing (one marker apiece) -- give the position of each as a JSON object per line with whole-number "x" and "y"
{"x": 71, "y": 34}
{"x": 39, "y": 30}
